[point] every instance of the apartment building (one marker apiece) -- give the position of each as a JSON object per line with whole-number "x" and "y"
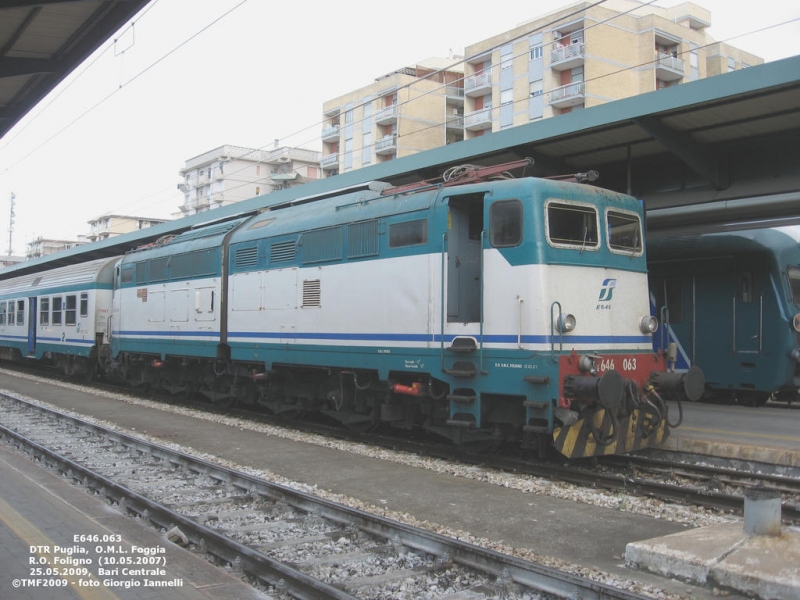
{"x": 576, "y": 57}
{"x": 403, "y": 112}
{"x": 109, "y": 226}
{"x": 583, "y": 55}
{"x": 229, "y": 174}
{"x": 45, "y": 246}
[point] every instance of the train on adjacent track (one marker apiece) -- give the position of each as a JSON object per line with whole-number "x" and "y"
{"x": 480, "y": 307}
{"x": 730, "y": 302}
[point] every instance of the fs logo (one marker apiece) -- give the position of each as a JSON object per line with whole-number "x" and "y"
{"x": 607, "y": 290}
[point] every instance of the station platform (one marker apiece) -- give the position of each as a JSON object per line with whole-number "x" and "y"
{"x": 561, "y": 532}
{"x": 769, "y": 434}
{"x": 763, "y": 566}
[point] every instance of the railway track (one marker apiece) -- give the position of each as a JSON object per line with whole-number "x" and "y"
{"x": 296, "y": 544}
{"x": 658, "y": 474}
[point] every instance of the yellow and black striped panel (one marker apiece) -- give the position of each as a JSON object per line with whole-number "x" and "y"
{"x": 636, "y": 432}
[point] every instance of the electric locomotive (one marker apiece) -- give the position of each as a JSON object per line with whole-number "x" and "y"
{"x": 730, "y": 302}
{"x": 490, "y": 311}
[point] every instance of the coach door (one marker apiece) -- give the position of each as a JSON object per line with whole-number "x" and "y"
{"x": 32, "y": 320}
{"x": 464, "y": 227}
{"x": 748, "y": 315}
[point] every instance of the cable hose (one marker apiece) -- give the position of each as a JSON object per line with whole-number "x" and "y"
{"x": 601, "y": 441}
{"x": 658, "y": 414}
{"x": 680, "y": 414}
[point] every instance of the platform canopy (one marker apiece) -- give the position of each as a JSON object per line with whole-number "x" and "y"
{"x": 42, "y": 41}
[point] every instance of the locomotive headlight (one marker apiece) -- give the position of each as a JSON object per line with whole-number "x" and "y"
{"x": 796, "y": 323}
{"x": 648, "y": 324}
{"x": 566, "y": 323}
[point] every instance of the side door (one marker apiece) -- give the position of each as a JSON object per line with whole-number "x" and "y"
{"x": 32, "y": 321}
{"x": 464, "y": 228}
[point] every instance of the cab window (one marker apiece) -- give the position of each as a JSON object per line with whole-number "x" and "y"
{"x": 572, "y": 225}
{"x": 624, "y": 232}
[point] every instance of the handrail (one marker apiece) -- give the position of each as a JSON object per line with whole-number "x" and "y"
{"x": 552, "y": 331}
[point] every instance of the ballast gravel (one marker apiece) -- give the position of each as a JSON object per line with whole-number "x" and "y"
{"x": 688, "y": 515}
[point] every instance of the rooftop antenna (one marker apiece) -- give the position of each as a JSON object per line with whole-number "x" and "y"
{"x": 11, "y": 224}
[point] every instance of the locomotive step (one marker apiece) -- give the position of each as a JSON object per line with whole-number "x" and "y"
{"x": 462, "y": 369}
{"x": 463, "y": 345}
{"x": 535, "y": 405}
{"x": 461, "y": 399}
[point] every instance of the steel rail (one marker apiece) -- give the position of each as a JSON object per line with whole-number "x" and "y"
{"x": 531, "y": 575}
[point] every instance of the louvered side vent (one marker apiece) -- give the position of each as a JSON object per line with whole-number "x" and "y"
{"x": 283, "y": 251}
{"x": 312, "y": 293}
{"x": 246, "y": 257}
{"x": 362, "y": 239}
{"x": 322, "y": 245}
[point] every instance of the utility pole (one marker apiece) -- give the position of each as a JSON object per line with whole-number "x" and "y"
{"x": 11, "y": 225}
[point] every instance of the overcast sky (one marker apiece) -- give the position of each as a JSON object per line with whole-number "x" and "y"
{"x": 190, "y": 76}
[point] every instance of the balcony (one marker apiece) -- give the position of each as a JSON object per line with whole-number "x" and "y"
{"x": 455, "y": 95}
{"x": 480, "y": 119}
{"x": 563, "y": 58}
{"x": 386, "y": 116}
{"x": 568, "y": 95}
{"x": 386, "y": 145}
{"x": 454, "y": 122}
{"x": 668, "y": 67}
{"x": 329, "y": 161}
{"x": 479, "y": 84}
{"x": 330, "y": 133}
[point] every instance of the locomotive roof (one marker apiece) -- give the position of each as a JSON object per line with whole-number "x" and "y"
{"x": 369, "y": 204}
{"x": 194, "y": 239}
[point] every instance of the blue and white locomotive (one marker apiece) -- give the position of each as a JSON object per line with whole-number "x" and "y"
{"x": 730, "y": 302}
{"x": 511, "y": 310}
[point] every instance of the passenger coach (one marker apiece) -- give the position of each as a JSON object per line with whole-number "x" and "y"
{"x": 60, "y": 315}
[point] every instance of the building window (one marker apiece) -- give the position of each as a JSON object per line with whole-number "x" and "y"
{"x": 506, "y": 96}
{"x": 536, "y": 88}
{"x": 536, "y": 52}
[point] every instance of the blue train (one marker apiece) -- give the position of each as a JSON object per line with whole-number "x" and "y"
{"x": 485, "y": 311}
{"x": 730, "y": 302}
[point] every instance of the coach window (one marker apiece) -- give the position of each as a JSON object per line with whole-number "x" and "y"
{"x": 572, "y": 226}
{"x": 44, "y": 311}
{"x": 11, "y": 313}
{"x": 84, "y": 305}
{"x": 793, "y": 273}
{"x": 127, "y": 274}
{"x": 20, "y": 312}
{"x": 58, "y": 304}
{"x": 410, "y": 233}
{"x": 70, "y": 313}
{"x": 746, "y": 287}
{"x": 2, "y": 313}
{"x": 505, "y": 223}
